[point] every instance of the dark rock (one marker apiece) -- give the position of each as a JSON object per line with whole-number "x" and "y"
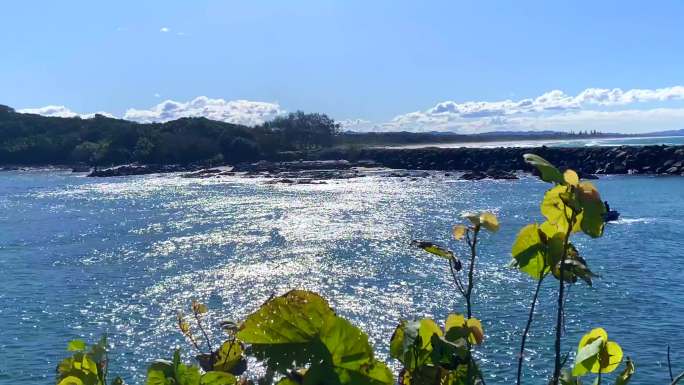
{"x": 584, "y": 175}
{"x": 125, "y": 170}
{"x": 81, "y": 168}
{"x": 141, "y": 169}
{"x": 475, "y": 175}
{"x": 206, "y": 173}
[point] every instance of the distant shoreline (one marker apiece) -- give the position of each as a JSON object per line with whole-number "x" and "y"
{"x": 537, "y": 142}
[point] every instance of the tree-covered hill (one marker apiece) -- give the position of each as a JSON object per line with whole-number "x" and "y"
{"x": 34, "y": 139}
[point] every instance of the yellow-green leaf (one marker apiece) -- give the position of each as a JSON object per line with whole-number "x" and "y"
{"x": 548, "y": 172}
{"x": 557, "y": 212}
{"x": 71, "y": 380}
{"x": 489, "y": 221}
{"x": 199, "y": 308}
{"x": 610, "y": 357}
{"x": 218, "y": 378}
{"x": 76, "y": 346}
{"x": 454, "y": 320}
{"x": 434, "y": 249}
{"x": 571, "y": 178}
{"x": 456, "y": 326}
{"x": 228, "y": 356}
{"x": 459, "y": 232}
{"x": 593, "y": 210}
{"x": 428, "y": 327}
{"x": 529, "y": 252}
{"x": 476, "y": 335}
{"x": 587, "y": 358}
{"x": 474, "y": 218}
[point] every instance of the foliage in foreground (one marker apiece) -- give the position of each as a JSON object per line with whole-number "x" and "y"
{"x": 298, "y": 338}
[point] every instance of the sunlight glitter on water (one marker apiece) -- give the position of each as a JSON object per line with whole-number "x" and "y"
{"x": 123, "y": 255}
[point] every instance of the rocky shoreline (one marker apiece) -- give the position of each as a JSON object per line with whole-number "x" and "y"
{"x": 662, "y": 159}
{"x": 472, "y": 163}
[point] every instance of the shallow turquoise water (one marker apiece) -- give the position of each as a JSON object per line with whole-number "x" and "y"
{"x": 82, "y": 256}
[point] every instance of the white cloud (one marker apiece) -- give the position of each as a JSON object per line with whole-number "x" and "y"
{"x": 164, "y": 29}
{"x": 553, "y": 110}
{"x": 57, "y": 111}
{"x": 60, "y": 112}
{"x": 245, "y": 112}
{"x": 614, "y": 110}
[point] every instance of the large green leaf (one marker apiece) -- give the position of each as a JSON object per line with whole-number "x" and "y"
{"x": 536, "y": 249}
{"x": 228, "y": 356}
{"x": 596, "y": 353}
{"x": 158, "y": 372}
{"x": 299, "y": 329}
{"x": 529, "y": 253}
{"x": 294, "y": 318}
{"x": 411, "y": 342}
{"x": 174, "y": 372}
{"x": 557, "y": 211}
{"x": 587, "y": 357}
{"x": 593, "y": 210}
{"x": 81, "y": 366}
{"x": 610, "y": 356}
{"x": 448, "y": 353}
{"x": 549, "y": 173}
{"x": 76, "y": 346}
{"x": 458, "y": 327}
{"x": 218, "y": 378}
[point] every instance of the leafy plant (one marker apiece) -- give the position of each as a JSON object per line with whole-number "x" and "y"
{"x": 431, "y": 355}
{"x": 175, "y": 372}
{"x": 570, "y": 206}
{"x": 299, "y": 336}
{"x": 86, "y": 366}
{"x": 454, "y": 363}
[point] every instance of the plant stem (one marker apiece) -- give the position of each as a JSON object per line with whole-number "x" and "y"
{"x": 459, "y": 286}
{"x": 561, "y": 292}
{"x": 471, "y": 270}
{"x": 469, "y": 308}
{"x": 206, "y": 337}
{"x": 527, "y": 329}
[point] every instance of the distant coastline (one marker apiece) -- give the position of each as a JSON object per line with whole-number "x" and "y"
{"x": 193, "y": 144}
{"x": 608, "y": 141}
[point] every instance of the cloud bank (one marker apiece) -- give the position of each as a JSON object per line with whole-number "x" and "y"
{"x": 594, "y": 108}
{"x": 608, "y": 110}
{"x": 245, "y": 112}
{"x": 61, "y": 112}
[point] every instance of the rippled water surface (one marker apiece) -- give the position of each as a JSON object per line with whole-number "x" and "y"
{"x": 81, "y": 257}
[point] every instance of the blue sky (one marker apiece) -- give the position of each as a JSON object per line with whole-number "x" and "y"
{"x": 376, "y": 65}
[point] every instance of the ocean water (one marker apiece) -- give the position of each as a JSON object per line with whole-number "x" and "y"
{"x": 591, "y": 142}
{"x": 81, "y": 257}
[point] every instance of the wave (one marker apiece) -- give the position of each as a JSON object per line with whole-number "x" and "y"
{"x": 631, "y": 221}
